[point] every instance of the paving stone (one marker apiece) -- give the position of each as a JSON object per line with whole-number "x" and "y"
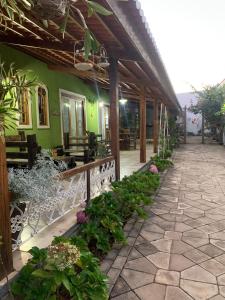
{"x": 172, "y": 235}
{"x": 175, "y": 293}
{"x": 196, "y": 256}
{"x": 195, "y": 233}
{"x": 167, "y": 277}
{"x": 106, "y": 265}
{"x": 163, "y": 245}
{"x": 151, "y": 292}
{"x": 112, "y": 254}
{"x": 218, "y": 236}
{"x": 211, "y": 250}
{"x": 179, "y": 262}
{"x": 134, "y": 254}
{"x": 182, "y": 227}
{"x": 146, "y": 249}
{"x": 221, "y": 259}
{"x": 218, "y": 297}
{"x": 151, "y": 236}
{"x": 120, "y": 287}
{"x": 199, "y": 290}
{"x": 179, "y": 247}
{"x": 142, "y": 265}
{"x": 214, "y": 267}
{"x": 160, "y": 259}
{"x": 153, "y": 228}
{"x": 125, "y": 250}
{"x": 222, "y": 290}
{"x": 195, "y": 242}
{"x": 119, "y": 262}
{"x": 127, "y": 296}
{"x": 218, "y": 243}
{"x": 196, "y": 273}
{"x": 113, "y": 274}
{"x": 136, "y": 279}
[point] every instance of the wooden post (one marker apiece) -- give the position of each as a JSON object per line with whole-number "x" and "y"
{"x": 185, "y": 124}
{"x": 143, "y": 125}
{"x": 5, "y": 231}
{"x": 114, "y": 112}
{"x": 203, "y": 129}
{"x": 155, "y": 126}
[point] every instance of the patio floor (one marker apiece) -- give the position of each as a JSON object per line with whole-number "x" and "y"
{"x": 130, "y": 160}
{"x": 178, "y": 253}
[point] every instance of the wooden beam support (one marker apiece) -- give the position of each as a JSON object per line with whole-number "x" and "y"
{"x": 114, "y": 112}
{"x": 155, "y": 126}
{"x": 143, "y": 125}
{"x": 5, "y": 232}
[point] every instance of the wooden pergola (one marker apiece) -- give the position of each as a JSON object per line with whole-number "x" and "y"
{"x": 135, "y": 64}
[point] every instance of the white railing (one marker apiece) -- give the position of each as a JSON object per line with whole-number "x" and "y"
{"x": 79, "y": 185}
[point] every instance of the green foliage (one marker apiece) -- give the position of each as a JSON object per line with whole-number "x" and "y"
{"x": 161, "y": 163}
{"x": 211, "y": 102}
{"x": 105, "y": 223}
{"x": 174, "y": 133}
{"x": 40, "y": 279}
{"x": 12, "y": 84}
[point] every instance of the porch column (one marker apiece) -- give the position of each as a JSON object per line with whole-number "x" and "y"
{"x": 5, "y": 232}
{"x": 114, "y": 112}
{"x": 155, "y": 125}
{"x": 143, "y": 125}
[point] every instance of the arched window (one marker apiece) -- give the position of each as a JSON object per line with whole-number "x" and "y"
{"x": 42, "y": 107}
{"x": 24, "y": 105}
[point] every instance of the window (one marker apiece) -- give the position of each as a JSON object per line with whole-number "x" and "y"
{"x": 24, "y": 104}
{"x": 42, "y": 107}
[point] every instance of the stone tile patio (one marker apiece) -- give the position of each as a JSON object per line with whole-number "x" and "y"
{"x": 178, "y": 253}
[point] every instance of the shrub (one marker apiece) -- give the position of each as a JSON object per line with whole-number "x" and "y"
{"x": 161, "y": 163}
{"x": 66, "y": 270}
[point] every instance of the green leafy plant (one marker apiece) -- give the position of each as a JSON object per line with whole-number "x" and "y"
{"x": 105, "y": 224}
{"x": 161, "y": 163}
{"x": 12, "y": 84}
{"x": 66, "y": 270}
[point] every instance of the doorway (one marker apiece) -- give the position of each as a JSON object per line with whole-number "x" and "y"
{"x": 73, "y": 117}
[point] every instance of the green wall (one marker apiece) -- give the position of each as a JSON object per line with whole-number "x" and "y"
{"x": 54, "y": 81}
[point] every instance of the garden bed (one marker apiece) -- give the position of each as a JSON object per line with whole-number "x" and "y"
{"x": 48, "y": 275}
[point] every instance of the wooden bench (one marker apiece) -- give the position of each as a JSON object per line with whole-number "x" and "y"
{"x": 21, "y": 153}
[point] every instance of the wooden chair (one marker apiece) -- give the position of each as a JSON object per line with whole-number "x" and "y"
{"x": 24, "y": 158}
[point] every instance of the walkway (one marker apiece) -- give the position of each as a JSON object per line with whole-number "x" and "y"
{"x": 179, "y": 252}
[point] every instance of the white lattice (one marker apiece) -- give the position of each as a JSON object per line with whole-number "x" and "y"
{"x": 101, "y": 178}
{"x": 29, "y": 218}
{"x": 38, "y": 215}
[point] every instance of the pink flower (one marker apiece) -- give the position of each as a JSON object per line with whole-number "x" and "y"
{"x": 153, "y": 169}
{"x": 82, "y": 218}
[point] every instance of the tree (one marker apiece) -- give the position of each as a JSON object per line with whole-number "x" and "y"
{"x": 210, "y": 104}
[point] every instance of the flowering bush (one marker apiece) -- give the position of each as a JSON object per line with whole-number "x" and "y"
{"x": 82, "y": 218}
{"x": 66, "y": 270}
{"x": 153, "y": 169}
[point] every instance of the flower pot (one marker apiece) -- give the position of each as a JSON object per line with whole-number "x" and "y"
{"x": 49, "y": 9}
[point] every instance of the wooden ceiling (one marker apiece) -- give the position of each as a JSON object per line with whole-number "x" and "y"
{"x": 124, "y": 34}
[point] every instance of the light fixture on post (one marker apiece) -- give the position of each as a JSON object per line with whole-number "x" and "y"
{"x": 103, "y": 59}
{"x": 123, "y": 101}
{"x": 79, "y": 52}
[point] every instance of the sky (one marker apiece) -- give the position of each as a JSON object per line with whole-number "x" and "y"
{"x": 190, "y": 36}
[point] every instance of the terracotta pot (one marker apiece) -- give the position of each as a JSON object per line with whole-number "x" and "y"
{"x": 49, "y": 9}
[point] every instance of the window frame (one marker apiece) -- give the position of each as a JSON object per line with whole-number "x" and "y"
{"x": 30, "y": 125}
{"x": 37, "y": 108}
